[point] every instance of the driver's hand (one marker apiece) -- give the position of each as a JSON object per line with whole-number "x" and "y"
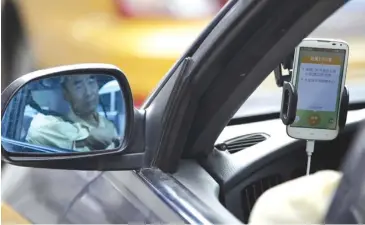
{"x": 100, "y": 138}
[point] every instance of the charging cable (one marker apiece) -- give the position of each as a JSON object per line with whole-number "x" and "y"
{"x": 309, "y": 149}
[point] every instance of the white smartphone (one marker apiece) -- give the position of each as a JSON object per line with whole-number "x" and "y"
{"x": 319, "y": 74}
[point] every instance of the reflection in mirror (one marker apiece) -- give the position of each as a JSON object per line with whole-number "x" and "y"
{"x": 65, "y": 114}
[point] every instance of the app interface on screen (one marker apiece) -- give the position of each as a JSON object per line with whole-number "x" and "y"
{"x": 319, "y": 87}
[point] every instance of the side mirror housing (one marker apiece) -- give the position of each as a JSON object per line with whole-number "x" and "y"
{"x": 71, "y": 117}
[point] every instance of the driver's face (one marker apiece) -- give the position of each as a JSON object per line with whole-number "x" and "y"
{"x": 82, "y": 93}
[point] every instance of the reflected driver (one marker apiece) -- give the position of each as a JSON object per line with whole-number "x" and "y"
{"x": 83, "y": 129}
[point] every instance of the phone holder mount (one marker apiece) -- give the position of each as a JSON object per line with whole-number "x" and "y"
{"x": 290, "y": 95}
{"x": 290, "y": 99}
{"x": 287, "y": 63}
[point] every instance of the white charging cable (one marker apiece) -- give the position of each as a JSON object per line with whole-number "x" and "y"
{"x": 309, "y": 149}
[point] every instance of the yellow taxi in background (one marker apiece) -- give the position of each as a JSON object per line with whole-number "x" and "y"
{"x": 142, "y": 37}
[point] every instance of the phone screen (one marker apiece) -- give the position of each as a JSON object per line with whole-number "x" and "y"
{"x": 318, "y": 83}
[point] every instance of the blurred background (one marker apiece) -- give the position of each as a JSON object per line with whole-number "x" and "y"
{"x": 144, "y": 38}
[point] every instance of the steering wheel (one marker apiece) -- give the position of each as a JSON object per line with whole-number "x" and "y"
{"x": 348, "y": 203}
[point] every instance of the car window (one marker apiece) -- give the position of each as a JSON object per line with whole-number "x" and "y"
{"x": 125, "y": 199}
{"x": 105, "y": 100}
{"x": 118, "y": 99}
{"x": 88, "y": 197}
{"x": 15, "y": 120}
{"x": 346, "y": 24}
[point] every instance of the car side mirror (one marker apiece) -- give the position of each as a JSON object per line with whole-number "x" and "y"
{"x": 70, "y": 117}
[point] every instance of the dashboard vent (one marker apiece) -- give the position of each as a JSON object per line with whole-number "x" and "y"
{"x": 252, "y": 192}
{"x": 239, "y": 143}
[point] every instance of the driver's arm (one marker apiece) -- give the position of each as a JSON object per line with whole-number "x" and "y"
{"x": 304, "y": 200}
{"x": 54, "y": 132}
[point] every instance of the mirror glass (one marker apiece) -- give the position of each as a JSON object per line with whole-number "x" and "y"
{"x": 65, "y": 114}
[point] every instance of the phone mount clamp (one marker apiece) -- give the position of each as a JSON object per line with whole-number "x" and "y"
{"x": 287, "y": 64}
{"x": 290, "y": 99}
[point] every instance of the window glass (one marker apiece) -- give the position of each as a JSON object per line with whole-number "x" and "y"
{"x": 105, "y": 101}
{"x": 118, "y": 100}
{"x": 119, "y": 198}
{"x": 346, "y": 24}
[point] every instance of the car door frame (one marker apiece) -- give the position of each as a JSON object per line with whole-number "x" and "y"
{"x": 210, "y": 82}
